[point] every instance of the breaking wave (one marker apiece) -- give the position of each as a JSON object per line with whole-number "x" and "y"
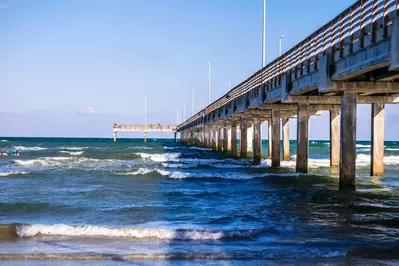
{"x": 13, "y": 173}
{"x": 144, "y": 171}
{"x": 159, "y": 157}
{"x": 74, "y": 153}
{"x": 73, "y": 148}
{"x": 26, "y": 231}
{"x": 23, "y": 148}
{"x": 3, "y": 140}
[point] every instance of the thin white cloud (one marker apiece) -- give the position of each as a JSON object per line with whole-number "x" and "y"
{"x": 87, "y": 111}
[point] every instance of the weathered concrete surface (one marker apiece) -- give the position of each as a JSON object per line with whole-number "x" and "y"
{"x": 276, "y": 138}
{"x": 302, "y": 152}
{"x": 377, "y": 140}
{"x": 286, "y": 139}
{"x": 228, "y": 137}
{"x": 233, "y": 140}
{"x": 334, "y": 137}
{"x": 214, "y": 139}
{"x": 243, "y": 139}
{"x": 269, "y": 137}
{"x": 257, "y": 149}
{"x": 250, "y": 138}
{"x": 225, "y": 139}
{"x": 220, "y": 139}
{"x": 347, "y": 169}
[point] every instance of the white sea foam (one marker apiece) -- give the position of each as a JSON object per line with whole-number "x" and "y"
{"x": 392, "y": 149}
{"x": 23, "y": 148}
{"x": 3, "y": 140}
{"x": 227, "y": 175}
{"x": 73, "y": 148}
{"x": 159, "y": 157}
{"x": 365, "y": 159}
{"x": 362, "y": 146}
{"x": 74, "y": 153}
{"x": 144, "y": 171}
{"x": 26, "y": 231}
{"x": 74, "y": 162}
{"x": 13, "y": 173}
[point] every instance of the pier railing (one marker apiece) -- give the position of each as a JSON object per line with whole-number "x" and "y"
{"x": 361, "y": 19}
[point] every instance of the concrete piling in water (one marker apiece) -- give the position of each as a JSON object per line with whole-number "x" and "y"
{"x": 347, "y": 166}
{"x": 269, "y": 137}
{"x": 334, "y": 137}
{"x": 243, "y": 139}
{"x": 233, "y": 140}
{"x": 225, "y": 139}
{"x": 302, "y": 150}
{"x": 276, "y": 138}
{"x": 257, "y": 142}
{"x": 286, "y": 139}
{"x": 377, "y": 139}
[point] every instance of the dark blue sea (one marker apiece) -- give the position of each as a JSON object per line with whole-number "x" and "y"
{"x": 95, "y": 202}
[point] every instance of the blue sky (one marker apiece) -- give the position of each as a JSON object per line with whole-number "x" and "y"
{"x": 73, "y": 68}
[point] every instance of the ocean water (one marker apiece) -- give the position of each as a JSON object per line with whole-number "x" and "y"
{"x": 163, "y": 203}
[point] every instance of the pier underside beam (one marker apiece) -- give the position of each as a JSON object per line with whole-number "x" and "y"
{"x": 334, "y": 137}
{"x": 377, "y": 140}
{"x": 243, "y": 139}
{"x": 286, "y": 139}
{"x": 276, "y": 138}
{"x": 302, "y": 138}
{"x": 257, "y": 149}
{"x": 347, "y": 169}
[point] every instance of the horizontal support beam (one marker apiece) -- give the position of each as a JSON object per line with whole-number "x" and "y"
{"x": 336, "y": 100}
{"x": 365, "y": 87}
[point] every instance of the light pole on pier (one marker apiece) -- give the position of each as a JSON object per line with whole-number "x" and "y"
{"x": 264, "y": 36}
{"x": 209, "y": 83}
{"x": 280, "y": 45}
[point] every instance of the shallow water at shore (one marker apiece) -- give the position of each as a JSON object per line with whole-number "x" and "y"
{"x": 163, "y": 201}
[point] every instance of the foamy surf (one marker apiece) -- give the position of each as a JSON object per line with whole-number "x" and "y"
{"x": 23, "y": 148}
{"x": 228, "y": 175}
{"x": 144, "y": 171}
{"x": 73, "y": 153}
{"x": 3, "y": 140}
{"x": 13, "y": 173}
{"x": 26, "y": 231}
{"x": 159, "y": 157}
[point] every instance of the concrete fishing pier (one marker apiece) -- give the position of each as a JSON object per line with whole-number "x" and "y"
{"x": 143, "y": 128}
{"x": 351, "y": 60}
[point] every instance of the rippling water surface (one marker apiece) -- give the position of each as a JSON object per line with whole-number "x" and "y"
{"x": 94, "y": 199}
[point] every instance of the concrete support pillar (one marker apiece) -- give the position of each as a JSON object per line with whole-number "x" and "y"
{"x": 233, "y": 140}
{"x": 228, "y": 137}
{"x": 243, "y": 139}
{"x": 347, "y": 168}
{"x": 286, "y": 139}
{"x": 145, "y": 137}
{"x": 175, "y": 136}
{"x": 334, "y": 137}
{"x": 377, "y": 139}
{"x": 302, "y": 150}
{"x": 220, "y": 138}
{"x": 214, "y": 138}
{"x": 269, "y": 137}
{"x": 250, "y": 138}
{"x": 114, "y": 137}
{"x": 276, "y": 138}
{"x": 257, "y": 142}
{"x": 225, "y": 139}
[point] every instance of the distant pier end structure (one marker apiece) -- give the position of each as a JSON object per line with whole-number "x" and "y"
{"x": 351, "y": 60}
{"x": 143, "y": 128}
